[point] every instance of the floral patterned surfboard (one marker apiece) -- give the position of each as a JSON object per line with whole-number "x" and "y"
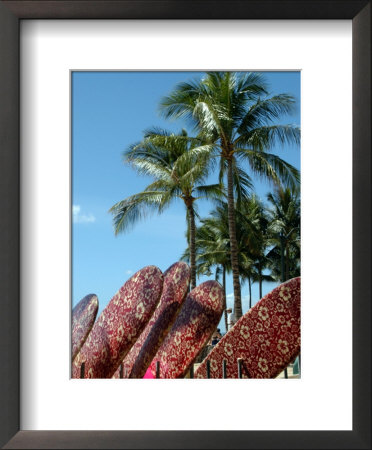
{"x": 267, "y": 338}
{"x": 83, "y": 317}
{"x": 176, "y": 282}
{"x": 120, "y": 324}
{"x": 193, "y": 327}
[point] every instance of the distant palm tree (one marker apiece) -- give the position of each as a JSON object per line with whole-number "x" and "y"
{"x": 213, "y": 244}
{"x": 213, "y": 248}
{"x": 255, "y": 223}
{"x": 284, "y": 229}
{"x": 178, "y": 167}
{"x": 227, "y": 110}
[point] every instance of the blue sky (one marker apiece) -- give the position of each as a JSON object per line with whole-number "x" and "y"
{"x": 110, "y": 111}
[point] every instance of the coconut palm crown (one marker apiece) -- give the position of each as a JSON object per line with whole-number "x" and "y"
{"x": 284, "y": 228}
{"x": 233, "y": 112}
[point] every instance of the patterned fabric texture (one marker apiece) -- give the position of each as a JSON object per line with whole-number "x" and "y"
{"x": 176, "y": 282}
{"x": 193, "y": 327}
{"x": 267, "y": 338}
{"x": 120, "y": 324}
{"x": 83, "y": 317}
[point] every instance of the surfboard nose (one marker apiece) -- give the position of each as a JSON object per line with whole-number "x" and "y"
{"x": 120, "y": 324}
{"x": 193, "y": 327}
{"x": 263, "y": 341}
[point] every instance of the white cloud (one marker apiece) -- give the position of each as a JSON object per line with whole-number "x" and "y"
{"x": 230, "y": 300}
{"x": 81, "y": 218}
{"x": 129, "y": 272}
{"x": 245, "y": 301}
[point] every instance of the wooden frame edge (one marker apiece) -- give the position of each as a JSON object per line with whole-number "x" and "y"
{"x": 11, "y": 11}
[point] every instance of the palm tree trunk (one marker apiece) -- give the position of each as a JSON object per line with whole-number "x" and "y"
{"x": 250, "y": 292}
{"x": 282, "y": 276}
{"x": 191, "y": 212}
{"x": 224, "y": 294}
{"x": 260, "y": 280}
{"x": 233, "y": 242}
{"x": 286, "y": 261}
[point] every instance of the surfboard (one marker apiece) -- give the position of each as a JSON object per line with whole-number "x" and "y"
{"x": 83, "y": 317}
{"x": 139, "y": 357}
{"x": 120, "y": 324}
{"x": 193, "y": 327}
{"x": 266, "y": 339}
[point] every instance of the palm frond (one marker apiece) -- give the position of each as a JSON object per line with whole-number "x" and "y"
{"x": 265, "y": 111}
{"x": 265, "y": 138}
{"x": 271, "y": 168}
{"x": 251, "y": 84}
{"x": 242, "y": 183}
{"x": 136, "y": 207}
{"x": 180, "y": 103}
{"x": 210, "y": 192}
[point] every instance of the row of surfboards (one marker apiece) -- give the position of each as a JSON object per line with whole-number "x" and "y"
{"x": 154, "y": 327}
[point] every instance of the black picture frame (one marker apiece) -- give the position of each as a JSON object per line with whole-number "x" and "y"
{"x": 11, "y": 12}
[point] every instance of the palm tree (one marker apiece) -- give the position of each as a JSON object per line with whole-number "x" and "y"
{"x": 213, "y": 243}
{"x": 213, "y": 248}
{"x": 228, "y": 112}
{"x": 177, "y": 166}
{"x": 253, "y": 220}
{"x": 284, "y": 228}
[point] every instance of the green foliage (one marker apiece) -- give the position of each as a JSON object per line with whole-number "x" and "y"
{"x": 234, "y": 114}
{"x": 235, "y": 123}
{"x": 178, "y": 165}
{"x": 284, "y": 230}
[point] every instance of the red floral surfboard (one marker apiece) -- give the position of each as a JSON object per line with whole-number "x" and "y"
{"x": 193, "y": 327}
{"x": 176, "y": 282}
{"x": 119, "y": 324}
{"x": 83, "y": 317}
{"x": 267, "y": 338}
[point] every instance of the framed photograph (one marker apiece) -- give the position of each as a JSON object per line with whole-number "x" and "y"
{"x": 121, "y": 225}
{"x": 41, "y": 402}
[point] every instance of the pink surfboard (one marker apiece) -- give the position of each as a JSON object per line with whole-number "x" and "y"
{"x": 266, "y": 339}
{"x": 193, "y": 327}
{"x": 176, "y": 282}
{"x": 120, "y": 324}
{"x": 83, "y": 317}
